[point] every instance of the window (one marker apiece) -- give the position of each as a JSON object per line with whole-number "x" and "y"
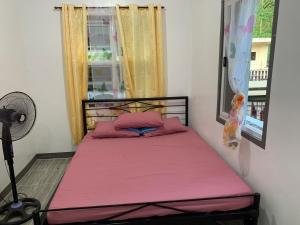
{"x": 105, "y": 73}
{"x": 253, "y": 56}
{"x": 260, "y": 73}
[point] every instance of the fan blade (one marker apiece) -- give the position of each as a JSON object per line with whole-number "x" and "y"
{"x": 22, "y": 114}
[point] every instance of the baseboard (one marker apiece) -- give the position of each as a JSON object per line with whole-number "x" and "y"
{"x": 55, "y": 155}
{"x": 21, "y": 174}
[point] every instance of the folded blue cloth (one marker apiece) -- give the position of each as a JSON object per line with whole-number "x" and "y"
{"x": 142, "y": 131}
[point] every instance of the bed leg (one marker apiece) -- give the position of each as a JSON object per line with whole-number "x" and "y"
{"x": 253, "y": 219}
{"x": 256, "y": 202}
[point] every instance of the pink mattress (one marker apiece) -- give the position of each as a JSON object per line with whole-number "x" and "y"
{"x": 118, "y": 171}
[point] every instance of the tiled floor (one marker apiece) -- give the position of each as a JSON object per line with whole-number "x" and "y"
{"x": 41, "y": 180}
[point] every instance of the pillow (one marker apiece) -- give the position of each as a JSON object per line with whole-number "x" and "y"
{"x": 171, "y": 125}
{"x": 138, "y": 120}
{"x": 106, "y": 129}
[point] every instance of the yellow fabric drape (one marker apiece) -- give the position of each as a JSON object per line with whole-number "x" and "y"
{"x": 74, "y": 28}
{"x": 141, "y": 33}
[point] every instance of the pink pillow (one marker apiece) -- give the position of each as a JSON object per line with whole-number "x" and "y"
{"x": 107, "y": 129}
{"x": 171, "y": 125}
{"x": 138, "y": 120}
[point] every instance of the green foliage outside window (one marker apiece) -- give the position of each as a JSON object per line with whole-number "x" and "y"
{"x": 103, "y": 88}
{"x": 264, "y": 19}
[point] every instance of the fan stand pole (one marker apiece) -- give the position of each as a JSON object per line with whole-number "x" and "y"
{"x": 8, "y": 156}
{"x": 15, "y": 213}
{"x": 10, "y": 163}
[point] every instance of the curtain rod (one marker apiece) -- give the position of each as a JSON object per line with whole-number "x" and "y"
{"x": 95, "y": 7}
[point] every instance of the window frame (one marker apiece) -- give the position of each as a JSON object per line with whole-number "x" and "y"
{"x": 261, "y": 143}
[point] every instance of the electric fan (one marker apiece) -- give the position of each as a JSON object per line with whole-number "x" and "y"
{"x": 17, "y": 117}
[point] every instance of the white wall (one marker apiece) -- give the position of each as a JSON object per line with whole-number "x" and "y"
{"x": 41, "y": 36}
{"x": 274, "y": 172}
{"x": 12, "y": 78}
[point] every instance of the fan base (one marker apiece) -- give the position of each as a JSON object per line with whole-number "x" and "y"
{"x": 20, "y": 212}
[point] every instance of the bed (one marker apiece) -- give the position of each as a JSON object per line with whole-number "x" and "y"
{"x": 170, "y": 179}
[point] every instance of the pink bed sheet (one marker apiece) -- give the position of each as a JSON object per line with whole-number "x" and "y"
{"x": 137, "y": 170}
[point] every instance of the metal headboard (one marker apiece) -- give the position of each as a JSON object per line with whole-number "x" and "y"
{"x": 109, "y": 109}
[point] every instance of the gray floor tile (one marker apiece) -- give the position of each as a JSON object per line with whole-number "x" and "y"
{"x": 41, "y": 180}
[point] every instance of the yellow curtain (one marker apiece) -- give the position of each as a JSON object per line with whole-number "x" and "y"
{"x": 74, "y": 28}
{"x": 141, "y": 33}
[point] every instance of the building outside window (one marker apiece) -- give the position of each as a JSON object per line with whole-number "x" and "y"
{"x": 258, "y": 77}
{"x": 259, "y": 68}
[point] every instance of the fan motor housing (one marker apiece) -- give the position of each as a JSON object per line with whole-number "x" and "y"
{"x": 6, "y": 115}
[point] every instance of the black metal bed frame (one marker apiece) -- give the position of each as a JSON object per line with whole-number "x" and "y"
{"x": 248, "y": 215}
{"x": 170, "y": 106}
